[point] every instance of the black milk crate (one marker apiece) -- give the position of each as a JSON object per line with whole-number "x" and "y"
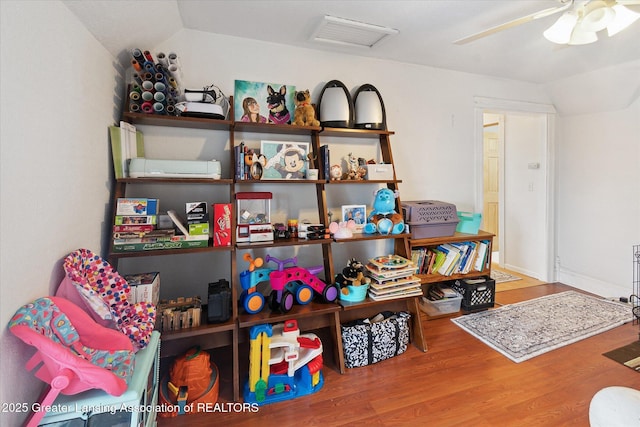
{"x": 477, "y": 294}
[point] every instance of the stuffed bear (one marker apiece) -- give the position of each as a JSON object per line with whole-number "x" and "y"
{"x": 304, "y": 114}
{"x": 384, "y": 219}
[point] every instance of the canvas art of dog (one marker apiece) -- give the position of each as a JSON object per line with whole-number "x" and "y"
{"x": 304, "y": 114}
{"x": 278, "y": 112}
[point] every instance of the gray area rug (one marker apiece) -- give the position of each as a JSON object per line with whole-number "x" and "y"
{"x": 530, "y": 328}
{"x": 501, "y": 276}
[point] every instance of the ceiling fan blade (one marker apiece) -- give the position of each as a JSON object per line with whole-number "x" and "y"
{"x": 514, "y": 23}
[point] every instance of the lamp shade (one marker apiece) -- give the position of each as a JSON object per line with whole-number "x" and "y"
{"x": 623, "y": 18}
{"x": 335, "y": 105}
{"x": 597, "y": 16}
{"x": 370, "y": 112}
{"x": 560, "y": 32}
{"x": 579, "y": 36}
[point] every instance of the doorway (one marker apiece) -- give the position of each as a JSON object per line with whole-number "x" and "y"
{"x": 493, "y": 133}
{"x": 514, "y": 179}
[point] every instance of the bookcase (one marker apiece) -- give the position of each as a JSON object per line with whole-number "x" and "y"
{"x": 326, "y": 196}
{"x": 432, "y": 278}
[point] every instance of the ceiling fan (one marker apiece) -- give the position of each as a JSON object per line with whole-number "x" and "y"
{"x": 579, "y": 23}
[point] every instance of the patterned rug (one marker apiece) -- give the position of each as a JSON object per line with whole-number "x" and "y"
{"x": 501, "y": 276}
{"x": 530, "y": 328}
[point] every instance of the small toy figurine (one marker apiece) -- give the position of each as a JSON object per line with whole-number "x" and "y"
{"x": 384, "y": 219}
{"x": 336, "y": 173}
{"x": 304, "y": 114}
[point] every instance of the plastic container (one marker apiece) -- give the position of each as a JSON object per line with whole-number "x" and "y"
{"x": 440, "y": 307}
{"x": 469, "y": 222}
{"x": 356, "y": 293}
{"x": 430, "y": 218}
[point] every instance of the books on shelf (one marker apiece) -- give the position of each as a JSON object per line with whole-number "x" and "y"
{"x": 126, "y": 143}
{"x": 451, "y": 258}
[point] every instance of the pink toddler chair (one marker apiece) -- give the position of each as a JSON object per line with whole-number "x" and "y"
{"x": 73, "y": 353}
{"x": 93, "y": 284}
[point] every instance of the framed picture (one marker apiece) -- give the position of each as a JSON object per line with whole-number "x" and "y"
{"x": 358, "y": 213}
{"x": 284, "y": 159}
{"x": 263, "y": 102}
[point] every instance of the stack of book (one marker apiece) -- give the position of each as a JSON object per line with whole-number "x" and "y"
{"x": 136, "y": 228}
{"x": 451, "y": 258}
{"x": 439, "y": 292}
{"x": 392, "y": 277}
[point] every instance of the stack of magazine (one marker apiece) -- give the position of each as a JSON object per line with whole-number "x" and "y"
{"x": 392, "y": 277}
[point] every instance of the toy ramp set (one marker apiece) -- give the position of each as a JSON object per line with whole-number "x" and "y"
{"x": 283, "y": 364}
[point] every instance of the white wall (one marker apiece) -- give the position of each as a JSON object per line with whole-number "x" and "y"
{"x": 599, "y": 199}
{"x": 524, "y": 193}
{"x": 60, "y": 90}
{"x": 57, "y": 100}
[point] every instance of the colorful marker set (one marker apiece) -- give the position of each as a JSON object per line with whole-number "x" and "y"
{"x": 157, "y": 85}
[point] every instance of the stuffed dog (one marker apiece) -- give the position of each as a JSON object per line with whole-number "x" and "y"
{"x": 304, "y": 114}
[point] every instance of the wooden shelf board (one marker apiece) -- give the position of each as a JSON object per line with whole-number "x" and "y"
{"x": 176, "y": 121}
{"x": 299, "y": 311}
{"x": 176, "y": 181}
{"x": 204, "y": 329}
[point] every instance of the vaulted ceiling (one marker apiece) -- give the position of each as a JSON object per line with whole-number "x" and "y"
{"x": 426, "y": 31}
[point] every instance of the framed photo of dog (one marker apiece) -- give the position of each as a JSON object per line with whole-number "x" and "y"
{"x": 284, "y": 159}
{"x": 263, "y": 102}
{"x": 358, "y": 213}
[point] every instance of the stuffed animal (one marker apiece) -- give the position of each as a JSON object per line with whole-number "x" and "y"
{"x": 384, "y": 219}
{"x": 304, "y": 114}
{"x": 354, "y": 172}
{"x": 352, "y": 275}
{"x": 342, "y": 230}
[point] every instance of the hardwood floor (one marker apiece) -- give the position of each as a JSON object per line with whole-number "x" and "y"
{"x": 458, "y": 381}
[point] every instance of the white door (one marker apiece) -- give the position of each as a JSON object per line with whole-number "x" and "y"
{"x": 525, "y": 231}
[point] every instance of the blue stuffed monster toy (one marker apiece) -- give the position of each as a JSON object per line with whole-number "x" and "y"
{"x": 384, "y": 219}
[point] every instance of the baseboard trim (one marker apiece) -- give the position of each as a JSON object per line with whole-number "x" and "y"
{"x": 593, "y": 285}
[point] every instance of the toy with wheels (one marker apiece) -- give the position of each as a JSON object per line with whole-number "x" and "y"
{"x": 288, "y": 284}
{"x": 283, "y": 364}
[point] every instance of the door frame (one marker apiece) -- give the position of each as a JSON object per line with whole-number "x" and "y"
{"x": 502, "y": 106}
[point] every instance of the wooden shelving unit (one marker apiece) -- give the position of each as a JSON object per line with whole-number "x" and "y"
{"x": 311, "y": 316}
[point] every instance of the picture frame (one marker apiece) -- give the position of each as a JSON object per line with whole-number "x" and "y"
{"x": 260, "y": 102}
{"x": 358, "y": 213}
{"x": 284, "y": 159}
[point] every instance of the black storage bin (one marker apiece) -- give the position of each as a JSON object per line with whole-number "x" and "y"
{"x": 477, "y": 294}
{"x": 219, "y": 302}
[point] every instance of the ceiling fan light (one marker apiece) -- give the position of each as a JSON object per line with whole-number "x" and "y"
{"x": 579, "y": 36}
{"x": 623, "y": 19}
{"x": 560, "y": 32}
{"x": 597, "y": 18}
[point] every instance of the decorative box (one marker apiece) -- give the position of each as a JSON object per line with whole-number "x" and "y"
{"x": 379, "y": 171}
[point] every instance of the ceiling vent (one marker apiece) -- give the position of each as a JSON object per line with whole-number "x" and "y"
{"x": 350, "y": 33}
